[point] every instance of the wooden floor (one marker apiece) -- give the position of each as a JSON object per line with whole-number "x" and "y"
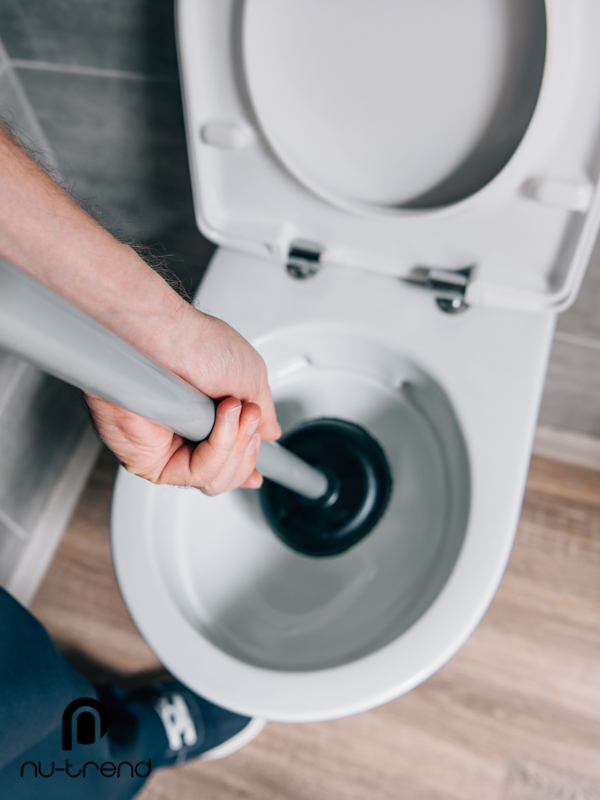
{"x": 514, "y": 716}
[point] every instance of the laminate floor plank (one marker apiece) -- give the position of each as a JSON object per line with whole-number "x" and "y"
{"x": 515, "y": 715}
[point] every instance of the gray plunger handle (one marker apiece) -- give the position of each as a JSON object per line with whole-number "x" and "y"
{"x": 48, "y": 332}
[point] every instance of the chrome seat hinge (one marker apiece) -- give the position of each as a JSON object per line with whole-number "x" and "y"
{"x": 304, "y": 259}
{"x": 449, "y": 286}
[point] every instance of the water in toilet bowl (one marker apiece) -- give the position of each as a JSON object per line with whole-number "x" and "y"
{"x": 252, "y": 596}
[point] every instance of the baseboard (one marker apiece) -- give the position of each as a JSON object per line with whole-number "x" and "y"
{"x": 42, "y": 543}
{"x": 567, "y": 446}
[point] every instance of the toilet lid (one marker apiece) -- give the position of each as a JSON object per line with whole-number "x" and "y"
{"x": 395, "y": 134}
{"x": 389, "y": 109}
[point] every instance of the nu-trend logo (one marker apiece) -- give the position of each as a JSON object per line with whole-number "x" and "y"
{"x": 88, "y": 720}
{"x": 85, "y": 722}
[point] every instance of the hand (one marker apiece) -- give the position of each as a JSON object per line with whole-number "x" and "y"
{"x": 47, "y": 235}
{"x": 218, "y": 361}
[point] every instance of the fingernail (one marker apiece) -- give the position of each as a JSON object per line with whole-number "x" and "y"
{"x": 253, "y": 446}
{"x": 233, "y": 415}
{"x": 252, "y": 428}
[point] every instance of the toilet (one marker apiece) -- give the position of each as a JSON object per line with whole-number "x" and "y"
{"x": 403, "y": 196}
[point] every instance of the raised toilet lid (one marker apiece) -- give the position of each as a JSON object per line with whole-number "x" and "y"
{"x": 395, "y": 134}
{"x": 412, "y": 105}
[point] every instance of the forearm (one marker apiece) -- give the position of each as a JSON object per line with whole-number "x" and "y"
{"x": 46, "y": 234}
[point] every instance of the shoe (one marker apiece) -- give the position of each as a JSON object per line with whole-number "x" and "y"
{"x": 190, "y": 726}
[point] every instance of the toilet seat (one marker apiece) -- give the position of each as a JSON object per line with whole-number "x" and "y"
{"x": 527, "y": 232}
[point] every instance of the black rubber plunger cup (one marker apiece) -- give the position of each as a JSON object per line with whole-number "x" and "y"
{"x": 360, "y": 485}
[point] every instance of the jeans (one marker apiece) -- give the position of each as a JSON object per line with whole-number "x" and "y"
{"x": 59, "y": 736}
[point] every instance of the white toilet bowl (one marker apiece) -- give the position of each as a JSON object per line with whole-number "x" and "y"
{"x": 257, "y": 627}
{"x": 452, "y": 399}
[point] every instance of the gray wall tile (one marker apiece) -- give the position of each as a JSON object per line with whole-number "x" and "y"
{"x": 121, "y": 145}
{"x": 133, "y": 35}
{"x": 11, "y": 548}
{"x": 41, "y": 419}
{"x": 18, "y": 116}
{"x": 572, "y": 393}
{"x": 583, "y": 318}
{"x": 11, "y": 107}
{"x": 39, "y": 426}
{"x": 11, "y": 369}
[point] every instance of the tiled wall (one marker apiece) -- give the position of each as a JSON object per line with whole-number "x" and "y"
{"x": 572, "y": 394}
{"x": 46, "y": 446}
{"x": 102, "y": 77}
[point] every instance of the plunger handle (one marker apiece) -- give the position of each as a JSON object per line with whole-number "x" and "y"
{"x": 50, "y": 333}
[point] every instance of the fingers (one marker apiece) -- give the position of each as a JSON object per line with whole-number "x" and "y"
{"x": 269, "y": 428}
{"x": 238, "y": 370}
{"x": 255, "y": 481}
{"x": 226, "y": 459}
{"x": 142, "y": 446}
{"x": 239, "y": 473}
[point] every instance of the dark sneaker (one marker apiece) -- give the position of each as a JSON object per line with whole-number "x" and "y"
{"x": 192, "y": 727}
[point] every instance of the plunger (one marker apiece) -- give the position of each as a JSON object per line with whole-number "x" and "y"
{"x": 359, "y": 484}
{"x": 325, "y": 490}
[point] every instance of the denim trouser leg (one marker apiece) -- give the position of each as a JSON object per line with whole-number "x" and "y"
{"x": 36, "y": 686}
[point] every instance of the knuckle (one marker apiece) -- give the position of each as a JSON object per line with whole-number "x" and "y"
{"x": 210, "y": 490}
{"x": 153, "y": 476}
